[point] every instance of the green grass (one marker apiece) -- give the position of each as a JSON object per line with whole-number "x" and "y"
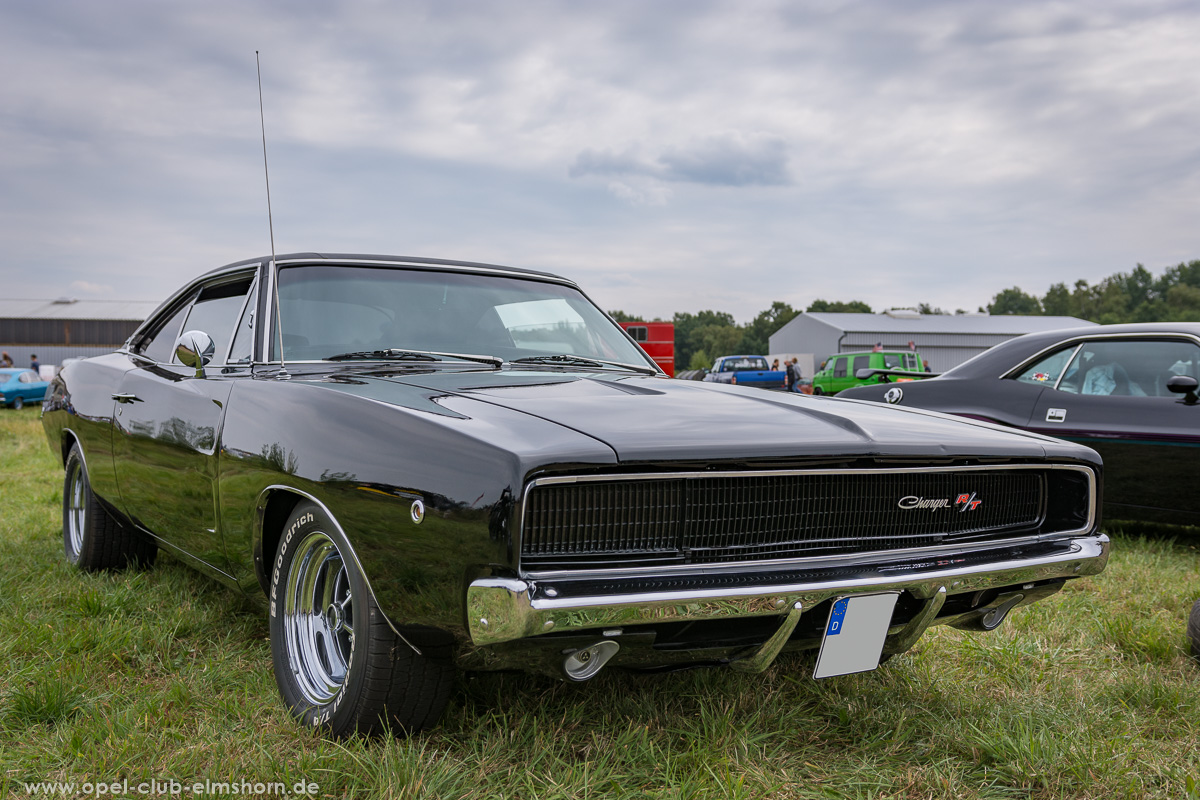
{"x": 166, "y": 675}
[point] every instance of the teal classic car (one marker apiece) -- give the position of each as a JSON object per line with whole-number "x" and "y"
{"x": 20, "y": 386}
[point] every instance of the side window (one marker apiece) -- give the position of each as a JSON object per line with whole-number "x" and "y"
{"x": 891, "y": 361}
{"x": 638, "y": 332}
{"x": 26, "y": 377}
{"x": 162, "y": 342}
{"x": 860, "y": 362}
{"x": 243, "y": 339}
{"x": 839, "y": 368}
{"x": 1048, "y": 369}
{"x": 215, "y": 312}
{"x": 1139, "y": 368}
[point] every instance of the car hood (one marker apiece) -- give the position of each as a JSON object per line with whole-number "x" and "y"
{"x": 649, "y": 419}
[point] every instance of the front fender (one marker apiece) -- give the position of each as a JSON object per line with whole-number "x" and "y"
{"x": 368, "y": 463}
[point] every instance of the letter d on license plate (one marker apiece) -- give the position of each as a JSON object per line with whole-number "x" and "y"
{"x": 854, "y": 635}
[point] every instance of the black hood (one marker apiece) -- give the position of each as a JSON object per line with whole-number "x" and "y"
{"x": 646, "y": 419}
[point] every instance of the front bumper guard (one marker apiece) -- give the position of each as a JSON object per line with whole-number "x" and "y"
{"x": 503, "y": 609}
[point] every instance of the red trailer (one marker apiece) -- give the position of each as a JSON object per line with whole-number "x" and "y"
{"x": 657, "y": 339}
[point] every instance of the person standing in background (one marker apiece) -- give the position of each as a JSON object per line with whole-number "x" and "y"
{"x": 5, "y": 359}
{"x": 34, "y": 365}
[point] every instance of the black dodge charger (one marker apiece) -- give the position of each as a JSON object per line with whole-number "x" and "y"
{"x": 1127, "y": 391}
{"x": 424, "y": 466}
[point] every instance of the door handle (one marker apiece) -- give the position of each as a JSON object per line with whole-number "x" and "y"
{"x": 127, "y": 398}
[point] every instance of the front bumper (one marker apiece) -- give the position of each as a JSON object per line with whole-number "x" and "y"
{"x": 507, "y": 609}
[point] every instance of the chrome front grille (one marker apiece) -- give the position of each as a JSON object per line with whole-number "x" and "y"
{"x": 706, "y": 518}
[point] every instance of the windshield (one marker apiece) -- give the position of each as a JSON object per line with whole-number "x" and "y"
{"x": 327, "y": 311}
{"x": 735, "y": 364}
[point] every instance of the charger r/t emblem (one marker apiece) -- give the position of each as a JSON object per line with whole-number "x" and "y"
{"x": 967, "y": 502}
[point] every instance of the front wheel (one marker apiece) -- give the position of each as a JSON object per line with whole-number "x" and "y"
{"x": 338, "y": 663}
{"x": 818, "y": 390}
{"x": 92, "y": 538}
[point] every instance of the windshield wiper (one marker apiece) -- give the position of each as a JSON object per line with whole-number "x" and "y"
{"x": 392, "y": 354}
{"x": 581, "y": 361}
{"x": 382, "y": 355}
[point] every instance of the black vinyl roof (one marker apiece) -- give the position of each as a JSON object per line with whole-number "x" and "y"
{"x": 353, "y": 258}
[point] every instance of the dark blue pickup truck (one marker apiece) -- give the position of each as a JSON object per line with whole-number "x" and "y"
{"x": 746, "y": 371}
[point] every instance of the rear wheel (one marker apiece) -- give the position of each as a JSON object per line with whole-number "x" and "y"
{"x": 818, "y": 390}
{"x": 338, "y": 663}
{"x": 92, "y": 538}
{"x": 18, "y": 402}
{"x": 1193, "y": 629}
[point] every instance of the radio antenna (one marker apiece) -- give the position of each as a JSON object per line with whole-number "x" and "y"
{"x": 270, "y": 220}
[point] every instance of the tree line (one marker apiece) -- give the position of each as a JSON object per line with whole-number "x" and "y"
{"x": 1135, "y": 296}
{"x": 701, "y": 337}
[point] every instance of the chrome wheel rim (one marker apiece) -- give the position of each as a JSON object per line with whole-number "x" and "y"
{"x": 76, "y": 509}
{"x": 318, "y": 619}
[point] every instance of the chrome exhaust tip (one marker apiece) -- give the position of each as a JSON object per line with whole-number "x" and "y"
{"x": 586, "y": 662}
{"x": 992, "y": 619}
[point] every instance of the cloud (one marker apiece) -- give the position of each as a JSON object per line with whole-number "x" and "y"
{"x": 87, "y": 287}
{"x": 729, "y": 159}
{"x": 935, "y": 152}
{"x": 721, "y": 159}
{"x": 648, "y": 194}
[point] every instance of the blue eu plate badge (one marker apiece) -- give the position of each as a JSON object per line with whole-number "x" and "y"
{"x": 854, "y": 634}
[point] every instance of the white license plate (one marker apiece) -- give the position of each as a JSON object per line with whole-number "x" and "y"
{"x": 854, "y": 634}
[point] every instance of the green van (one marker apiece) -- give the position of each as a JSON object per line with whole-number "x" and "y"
{"x": 837, "y": 372}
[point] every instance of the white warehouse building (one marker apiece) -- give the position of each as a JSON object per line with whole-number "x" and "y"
{"x": 943, "y": 340}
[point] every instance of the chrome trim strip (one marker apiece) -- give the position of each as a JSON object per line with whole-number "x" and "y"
{"x": 619, "y": 571}
{"x": 1070, "y": 361}
{"x": 260, "y": 512}
{"x": 410, "y": 265}
{"x": 407, "y": 265}
{"x": 267, "y": 331}
{"x": 771, "y": 473}
{"x": 251, "y": 294}
{"x": 1084, "y": 338}
{"x": 503, "y": 610}
{"x": 854, "y": 559}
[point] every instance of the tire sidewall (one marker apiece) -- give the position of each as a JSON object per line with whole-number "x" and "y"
{"x": 18, "y": 403}
{"x": 338, "y": 714}
{"x": 75, "y": 464}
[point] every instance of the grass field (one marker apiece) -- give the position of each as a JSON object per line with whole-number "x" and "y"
{"x": 164, "y": 675}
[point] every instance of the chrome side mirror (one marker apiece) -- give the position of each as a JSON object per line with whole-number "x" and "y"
{"x": 195, "y": 349}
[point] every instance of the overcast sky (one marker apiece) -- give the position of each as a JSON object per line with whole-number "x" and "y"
{"x": 669, "y": 156}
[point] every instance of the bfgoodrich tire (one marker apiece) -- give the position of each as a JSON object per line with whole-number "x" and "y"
{"x": 1193, "y": 629}
{"x": 92, "y": 538}
{"x": 338, "y": 663}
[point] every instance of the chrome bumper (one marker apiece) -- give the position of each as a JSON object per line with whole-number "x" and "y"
{"x": 503, "y": 609}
